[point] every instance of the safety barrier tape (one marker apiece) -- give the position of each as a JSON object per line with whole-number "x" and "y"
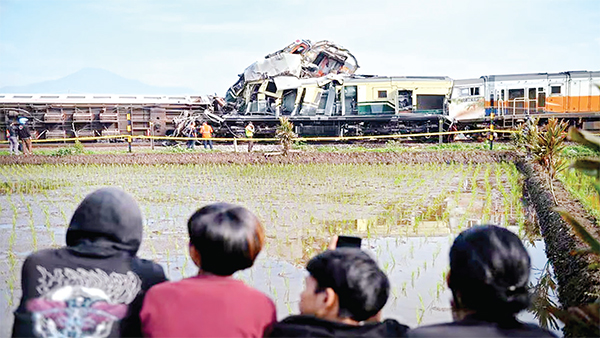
{"x": 244, "y": 139}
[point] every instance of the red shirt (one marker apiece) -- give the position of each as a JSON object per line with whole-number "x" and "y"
{"x": 206, "y": 306}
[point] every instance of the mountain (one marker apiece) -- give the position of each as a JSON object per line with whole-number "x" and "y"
{"x": 95, "y": 81}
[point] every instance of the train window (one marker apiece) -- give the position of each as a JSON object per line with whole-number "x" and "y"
{"x": 540, "y": 89}
{"x": 464, "y": 92}
{"x": 475, "y": 91}
{"x": 555, "y": 89}
{"x": 532, "y": 93}
{"x": 271, "y": 87}
{"x": 404, "y": 100}
{"x": 382, "y": 94}
{"x": 516, "y": 94}
{"x": 502, "y": 94}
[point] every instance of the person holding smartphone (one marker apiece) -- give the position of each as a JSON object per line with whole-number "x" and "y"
{"x": 343, "y": 296}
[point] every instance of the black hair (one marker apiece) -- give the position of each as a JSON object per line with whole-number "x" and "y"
{"x": 362, "y": 288}
{"x": 227, "y": 237}
{"x": 489, "y": 269}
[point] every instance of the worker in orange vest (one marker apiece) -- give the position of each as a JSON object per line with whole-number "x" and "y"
{"x": 206, "y": 132}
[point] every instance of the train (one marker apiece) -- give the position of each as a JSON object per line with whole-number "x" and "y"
{"x": 331, "y": 105}
{"x": 573, "y": 96}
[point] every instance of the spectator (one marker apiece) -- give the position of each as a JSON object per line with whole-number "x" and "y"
{"x": 93, "y": 287}
{"x": 192, "y": 133}
{"x": 342, "y": 297}
{"x": 13, "y": 138}
{"x": 25, "y": 136}
{"x": 206, "y": 131}
{"x": 224, "y": 238}
{"x": 489, "y": 273}
{"x": 250, "y": 134}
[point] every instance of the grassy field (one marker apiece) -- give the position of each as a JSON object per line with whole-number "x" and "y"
{"x": 407, "y": 213}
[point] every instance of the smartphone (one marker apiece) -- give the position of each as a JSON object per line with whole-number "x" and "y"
{"x": 348, "y": 242}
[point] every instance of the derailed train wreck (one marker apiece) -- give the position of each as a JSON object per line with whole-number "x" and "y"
{"x": 315, "y": 86}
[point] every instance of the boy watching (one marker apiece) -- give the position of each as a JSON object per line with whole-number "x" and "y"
{"x": 343, "y": 293}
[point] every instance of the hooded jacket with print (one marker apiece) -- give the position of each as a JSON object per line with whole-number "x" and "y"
{"x": 93, "y": 287}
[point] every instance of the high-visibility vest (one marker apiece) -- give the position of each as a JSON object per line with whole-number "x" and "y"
{"x": 206, "y": 131}
{"x": 249, "y": 130}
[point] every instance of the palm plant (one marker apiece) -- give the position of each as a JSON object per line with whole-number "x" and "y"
{"x": 545, "y": 146}
{"x": 286, "y": 134}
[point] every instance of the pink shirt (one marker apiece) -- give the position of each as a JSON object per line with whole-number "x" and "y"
{"x": 206, "y": 306}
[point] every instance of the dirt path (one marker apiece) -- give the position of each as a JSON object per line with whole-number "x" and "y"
{"x": 369, "y": 157}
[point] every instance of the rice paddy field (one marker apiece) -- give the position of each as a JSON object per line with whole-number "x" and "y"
{"x": 407, "y": 215}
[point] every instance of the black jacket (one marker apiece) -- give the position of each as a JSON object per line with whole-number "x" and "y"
{"x": 95, "y": 285}
{"x": 309, "y": 326}
{"x": 24, "y": 132}
{"x": 472, "y": 326}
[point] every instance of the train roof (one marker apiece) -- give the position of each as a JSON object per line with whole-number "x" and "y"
{"x": 532, "y": 76}
{"x": 108, "y": 99}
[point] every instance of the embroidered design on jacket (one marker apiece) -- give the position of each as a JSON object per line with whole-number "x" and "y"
{"x": 80, "y": 302}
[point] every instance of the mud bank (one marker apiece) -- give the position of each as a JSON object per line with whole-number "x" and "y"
{"x": 576, "y": 283}
{"x": 478, "y": 156}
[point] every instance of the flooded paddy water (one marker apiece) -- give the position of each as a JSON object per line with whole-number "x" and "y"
{"x": 407, "y": 214}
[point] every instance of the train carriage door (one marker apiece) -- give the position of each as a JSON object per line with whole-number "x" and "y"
{"x": 350, "y": 100}
{"x": 516, "y": 101}
{"x": 531, "y": 105}
{"x": 541, "y": 100}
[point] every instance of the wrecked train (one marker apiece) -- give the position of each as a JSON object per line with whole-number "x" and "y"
{"x": 317, "y": 88}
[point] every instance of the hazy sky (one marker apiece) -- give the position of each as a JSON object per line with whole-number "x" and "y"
{"x": 203, "y": 45}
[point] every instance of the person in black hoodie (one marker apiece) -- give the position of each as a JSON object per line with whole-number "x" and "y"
{"x": 489, "y": 274}
{"x": 93, "y": 287}
{"x": 343, "y": 296}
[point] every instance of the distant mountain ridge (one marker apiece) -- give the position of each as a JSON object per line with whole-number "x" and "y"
{"x": 95, "y": 81}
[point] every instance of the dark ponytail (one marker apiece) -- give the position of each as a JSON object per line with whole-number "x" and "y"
{"x": 489, "y": 269}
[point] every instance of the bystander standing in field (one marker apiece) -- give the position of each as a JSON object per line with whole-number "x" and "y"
{"x": 13, "y": 138}
{"x": 224, "y": 238}
{"x": 206, "y": 130}
{"x": 93, "y": 287}
{"x": 343, "y": 296}
{"x": 192, "y": 133}
{"x": 25, "y": 136}
{"x": 489, "y": 273}
{"x": 250, "y": 134}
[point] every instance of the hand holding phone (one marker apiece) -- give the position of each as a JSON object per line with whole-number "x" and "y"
{"x": 348, "y": 242}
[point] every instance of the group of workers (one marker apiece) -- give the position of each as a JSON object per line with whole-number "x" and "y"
{"x": 19, "y": 131}
{"x": 96, "y": 286}
{"x": 206, "y": 132}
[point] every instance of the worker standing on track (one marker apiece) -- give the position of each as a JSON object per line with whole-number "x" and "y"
{"x": 13, "y": 138}
{"x": 250, "y": 134}
{"x": 206, "y": 131}
{"x": 192, "y": 133}
{"x": 25, "y": 136}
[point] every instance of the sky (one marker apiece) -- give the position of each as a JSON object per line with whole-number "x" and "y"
{"x": 204, "y": 45}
